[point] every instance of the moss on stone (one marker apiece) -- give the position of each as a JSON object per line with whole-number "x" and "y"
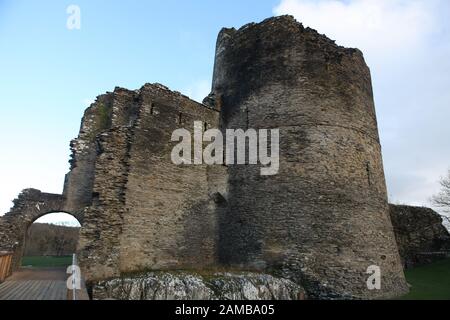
{"x": 104, "y": 117}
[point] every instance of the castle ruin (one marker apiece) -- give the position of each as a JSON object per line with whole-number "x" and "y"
{"x": 321, "y": 222}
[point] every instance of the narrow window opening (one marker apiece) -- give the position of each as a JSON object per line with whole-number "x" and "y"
{"x": 152, "y": 108}
{"x": 369, "y": 178}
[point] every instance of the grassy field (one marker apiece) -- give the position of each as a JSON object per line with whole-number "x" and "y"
{"x": 46, "y": 262}
{"x": 431, "y": 282}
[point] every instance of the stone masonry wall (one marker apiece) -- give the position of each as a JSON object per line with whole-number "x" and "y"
{"x": 99, "y": 243}
{"x": 29, "y": 206}
{"x": 320, "y": 222}
{"x": 323, "y": 220}
{"x": 170, "y": 221}
{"x": 158, "y": 215}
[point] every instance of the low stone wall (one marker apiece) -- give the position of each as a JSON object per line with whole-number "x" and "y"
{"x": 421, "y": 236}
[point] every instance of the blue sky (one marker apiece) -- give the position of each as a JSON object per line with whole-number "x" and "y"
{"x": 49, "y": 74}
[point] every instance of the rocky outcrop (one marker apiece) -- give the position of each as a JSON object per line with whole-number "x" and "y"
{"x": 192, "y": 286}
{"x": 421, "y": 236}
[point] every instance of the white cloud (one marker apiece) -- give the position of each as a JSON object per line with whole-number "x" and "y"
{"x": 377, "y": 27}
{"x": 198, "y": 90}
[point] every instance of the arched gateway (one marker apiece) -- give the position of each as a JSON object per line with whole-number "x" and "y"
{"x": 30, "y": 205}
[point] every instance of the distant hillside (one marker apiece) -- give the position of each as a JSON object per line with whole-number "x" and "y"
{"x": 51, "y": 240}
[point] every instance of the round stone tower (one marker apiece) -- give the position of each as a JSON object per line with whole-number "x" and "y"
{"x": 323, "y": 219}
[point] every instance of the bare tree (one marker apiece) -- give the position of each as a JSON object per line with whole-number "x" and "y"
{"x": 51, "y": 240}
{"x": 442, "y": 199}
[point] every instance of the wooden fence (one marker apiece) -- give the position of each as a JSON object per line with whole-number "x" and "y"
{"x": 5, "y": 265}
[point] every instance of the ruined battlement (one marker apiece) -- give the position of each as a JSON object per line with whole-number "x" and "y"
{"x": 121, "y": 107}
{"x": 289, "y": 23}
{"x": 128, "y": 182}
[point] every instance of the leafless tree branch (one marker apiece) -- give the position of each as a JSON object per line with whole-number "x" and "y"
{"x": 442, "y": 199}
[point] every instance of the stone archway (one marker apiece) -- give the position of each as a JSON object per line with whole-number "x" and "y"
{"x": 30, "y": 205}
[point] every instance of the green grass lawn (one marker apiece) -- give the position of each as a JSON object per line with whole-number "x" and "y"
{"x": 46, "y": 262}
{"x": 431, "y": 282}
